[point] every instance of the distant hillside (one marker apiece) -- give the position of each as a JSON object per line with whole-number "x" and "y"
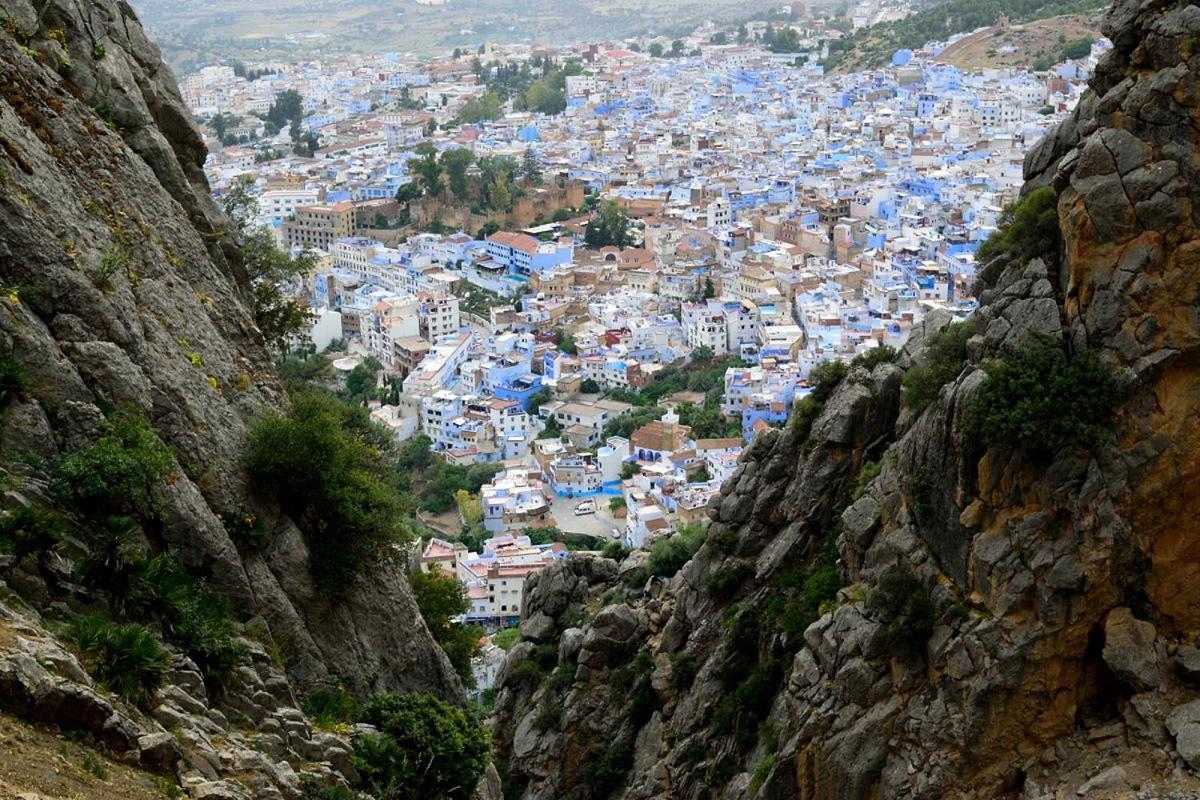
{"x": 191, "y": 31}
{"x": 1040, "y": 43}
{"x": 874, "y": 45}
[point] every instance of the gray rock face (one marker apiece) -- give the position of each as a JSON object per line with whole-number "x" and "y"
{"x": 104, "y": 167}
{"x": 1009, "y": 686}
{"x": 1129, "y": 649}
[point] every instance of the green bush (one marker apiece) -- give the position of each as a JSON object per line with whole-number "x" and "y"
{"x": 636, "y": 578}
{"x": 722, "y": 771}
{"x": 761, "y": 771}
{"x": 193, "y": 617}
{"x": 118, "y": 474}
{"x": 945, "y": 356}
{"x": 322, "y": 461}
{"x": 548, "y": 716}
{"x": 245, "y": 528}
{"x": 669, "y": 555}
{"x": 883, "y": 354}
{"x": 823, "y": 378}
{"x": 425, "y": 748}
{"x": 440, "y": 598}
{"x": 723, "y": 583}
{"x": 869, "y": 472}
{"x": 740, "y": 710}
{"x": 545, "y": 656}
{"x": 801, "y": 595}
{"x": 1027, "y": 228}
{"x": 562, "y": 678}
{"x": 1042, "y": 402}
{"x": 126, "y": 659}
{"x": 903, "y": 606}
{"x": 12, "y": 382}
{"x": 29, "y": 530}
{"x": 330, "y": 706}
{"x": 643, "y": 699}
{"x": 683, "y": 671}
{"x": 723, "y": 538}
{"x": 506, "y": 637}
{"x": 615, "y": 550}
{"x": 605, "y": 769}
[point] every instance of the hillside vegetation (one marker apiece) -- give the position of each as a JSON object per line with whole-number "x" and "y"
{"x": 873, "y": 46}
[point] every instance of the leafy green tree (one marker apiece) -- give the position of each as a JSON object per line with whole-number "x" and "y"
{"x": 1027, "y": 229}
{"x": 408, "y": 192}
{"x": 902, "y": 603}
{"x": 322, "y": 462}
{"x": 488, "y": 106}
{"x": 608, "y": 228}
{"x": 425, "y": 749}
{"x": 786, "y": 40}
{"x": 120, "y": 473}
{"x": 288, "y": 107}
{"x": 455, "y": 163}
{"x": 669, "y": 555}
{"x": 428, "y": 168}
{"x": 531, "y": 170}
{"x": 589, "y": 386}
{"x": 545, "y": 98}
{"x": 273, "y": 273}
{"x": 440, "y": 597}
{"x": 1043, "y": 402}
{"x": 720, "y": 37}
{"x": 710, "y": 291}
{"x": 655, "y": 50}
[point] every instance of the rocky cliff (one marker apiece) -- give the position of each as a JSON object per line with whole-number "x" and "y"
{"x": 1009, "y": 622}
{"x": 122, "y": 287}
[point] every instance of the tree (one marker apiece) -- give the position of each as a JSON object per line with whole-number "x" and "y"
{"x": 441, "y": 598}
{"x": 288, "y": 106}
{"x": 710, "y": 291}
{"x": 677, "y": 48}
{"x": 361, "y": 381}
{"x": 323, "y": 462}
{"x": 565, "y": 342}
{"x": 408, "y": 192}
{"x": 470, "y": 507}
{"x": 425, "y": 749}
{"x": 720, "y": 37}
{"x": 656, "y": 50}
{"x": 455, "y": 163}
{"x": 552, "y": 430}
{"x": 273, "y": 273}
{"x": 220, "y": 122}
{"x": 702, "y": 353}
{"x": 120, "y": 473}
{"x": 545, "y": 98}
{"x": 589, "y": 386}
{"x": 480, "y": 109}
{"x": 428, "y": 168}
{"x": 610, "y": 227}
{"x": 786, "y": 40}
{"x": 531, "y": 170}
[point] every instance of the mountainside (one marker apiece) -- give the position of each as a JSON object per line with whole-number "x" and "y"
{"x": 966, "y": 573}
{"x": 125, "y": 327}
{"x": 874, "y": 45}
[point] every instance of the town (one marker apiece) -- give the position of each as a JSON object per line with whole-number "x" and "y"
{"x": 592, "y": 274}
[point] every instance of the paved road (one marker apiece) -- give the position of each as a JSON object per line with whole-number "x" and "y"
{"x": 599, "y": 524}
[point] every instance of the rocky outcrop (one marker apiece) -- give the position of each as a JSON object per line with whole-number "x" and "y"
{"x": 251, "y": 742}
{"x": 122, "y": 287}
{"x": 1059, "y": 592}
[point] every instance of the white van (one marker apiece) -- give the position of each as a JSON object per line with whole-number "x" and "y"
{"x": 586, "y": 507}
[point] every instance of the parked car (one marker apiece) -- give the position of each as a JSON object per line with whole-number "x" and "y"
{"x": 586, "y": 507}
